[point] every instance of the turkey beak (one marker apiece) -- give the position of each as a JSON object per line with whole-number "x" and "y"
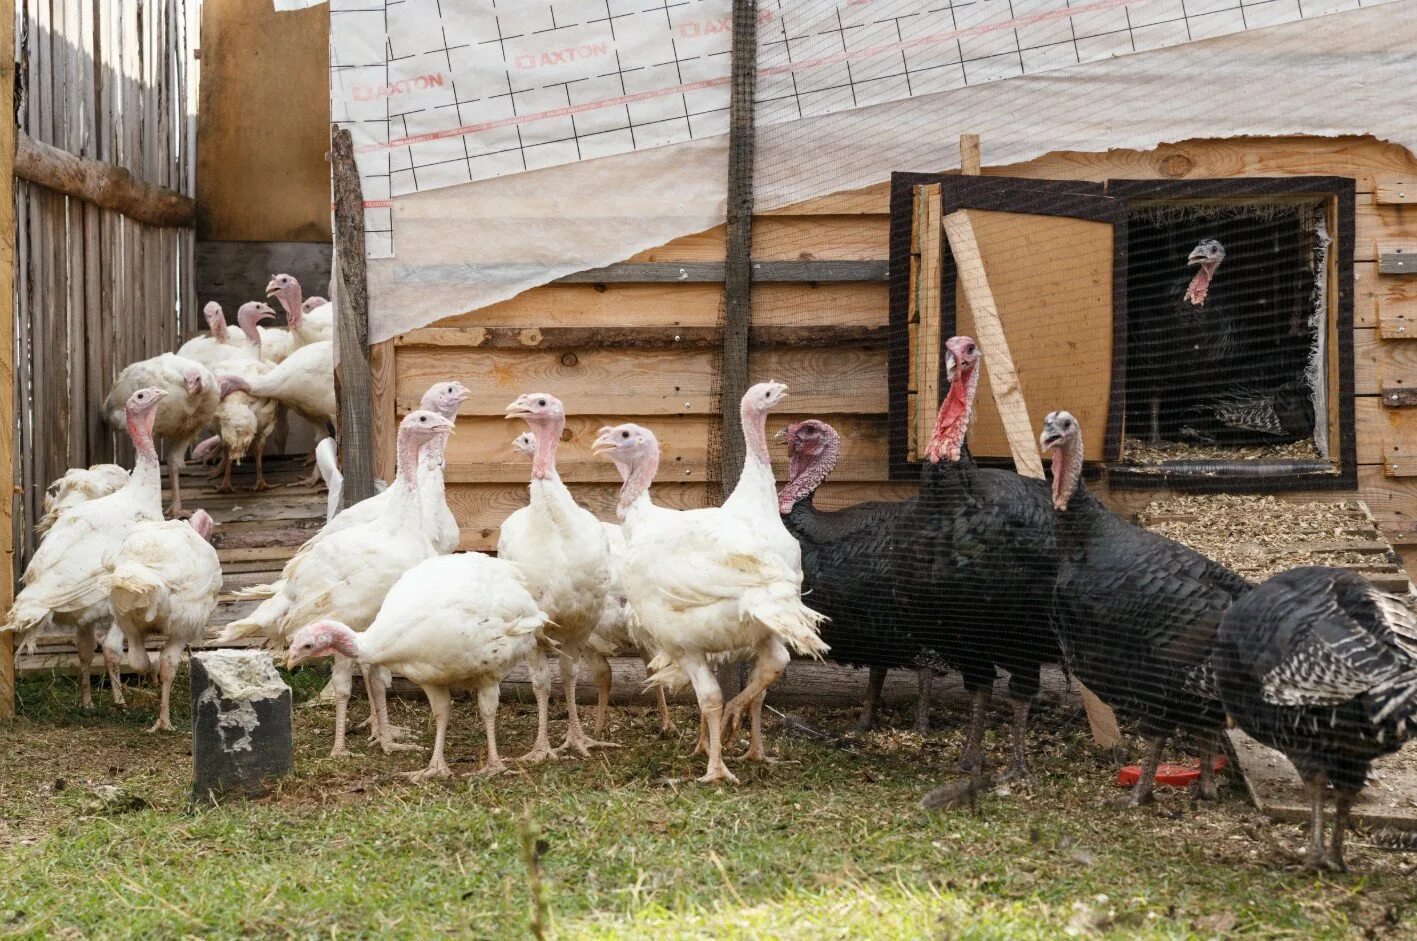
{"x": 272, "y": 289}
{"x": 292, "y": 660}
{"x": 517, "y": 409}
{"x": 781, "y": 434}
{"x": 1196, "y": 257}
{"x": 159, "y": 393}
{"x": 602, "y": 444}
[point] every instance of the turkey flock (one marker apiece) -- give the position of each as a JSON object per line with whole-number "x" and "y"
{"x": 982, "y": 571}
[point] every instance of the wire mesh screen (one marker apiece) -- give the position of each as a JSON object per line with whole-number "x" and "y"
{"x": 972, "y": 427}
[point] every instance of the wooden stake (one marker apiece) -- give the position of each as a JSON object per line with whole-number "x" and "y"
{"x": 969, "y": 154}
{"x": 7, "y": 364}
{"x": 353, "y": 382}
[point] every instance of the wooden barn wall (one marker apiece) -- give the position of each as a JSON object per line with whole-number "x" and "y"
{"x": 672, "y": 390}
{"x": 95, "y": 290}
{"x": 263, "y": 190}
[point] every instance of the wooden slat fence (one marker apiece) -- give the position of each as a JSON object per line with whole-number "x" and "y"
{"x": 112, "y": 81}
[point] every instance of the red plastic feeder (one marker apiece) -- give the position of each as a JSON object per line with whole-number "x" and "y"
{"x": 1170, "y": 775}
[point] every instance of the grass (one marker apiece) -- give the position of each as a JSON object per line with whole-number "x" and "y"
{"x": 97, "y": 838}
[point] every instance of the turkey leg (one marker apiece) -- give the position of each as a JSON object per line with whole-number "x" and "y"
{"x": 971, "y": 760}
{"x": 376, "y": 683}
{"x": 175, "y": 459}
{"x": 924, "y": 676}
{"x": 1343, "y": 806}
{"x": 666, "y": 721}
{"x": 1205, "y": 788}
{"x": 576, "y": 738}
{"x": 440, "y": 703}
{"x": 84, "y": 641}
{"x": 342, "y": 679}
{"x": 1315, "y": 787}
{"x": 112, "y": 660}
{"x": 1020, "y": 767}
{"x": 877, "y": 680}
{"x": 488, "y": 696}
{"x": 710, "y": 697}
{"x": 540, "y": 669}
{"x": 600, "y": 672}
{"x": 772, "y": 660}
{"x": 261, "y": 483}
{"x": 1143, "y": 791}
{"x": 166, "y": 670}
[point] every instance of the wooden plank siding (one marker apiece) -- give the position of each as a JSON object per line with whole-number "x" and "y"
{"x": 673, "y": 389}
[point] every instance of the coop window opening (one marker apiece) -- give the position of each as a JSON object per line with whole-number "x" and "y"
{"x": 1239, "y": 360}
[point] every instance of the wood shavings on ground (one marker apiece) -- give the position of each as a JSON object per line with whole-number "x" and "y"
{"x": 1141, "y": 453}
{"x": 1260, "y": 536}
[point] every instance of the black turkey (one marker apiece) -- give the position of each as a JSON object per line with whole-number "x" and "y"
{"x": 1182, "y": 346}
{"x": 847, "y": 571}
{"x": 1319, "y": 664}
{"x": 1136, "y": 613}
{"x": 975, "y": 556}
{"x": 1251, "y": 415}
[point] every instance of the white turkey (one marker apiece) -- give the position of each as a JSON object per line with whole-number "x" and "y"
{"x": 347, "y": 575}
{"x": 457, "y": 621}
{"x": 616, "y": 633}
{"x": 703, "y": 583}
{"x": 244, "y": 421}
{"x": 78, "y": 485}
{"x": 164, "y": 579}
{"x": 63, "y": 584}
{"x": 327, "y": 461}
{"x": 304, "y": 382}
{"x": 313, "y": 302}
{"x": 220, "y": 344}
{"x": 310, "y": 325}
{"x": 562, "y": 551}
{"x": 188, "y": 407}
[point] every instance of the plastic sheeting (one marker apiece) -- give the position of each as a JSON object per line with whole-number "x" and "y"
{"x": 464, "y": 247}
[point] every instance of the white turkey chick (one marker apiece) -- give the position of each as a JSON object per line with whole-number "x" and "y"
{"x": 702, "y": 582}
{"x": 453, "y": 621}
{"x": 616, "y": 633}
{"x": 78, "y": 485}
{"x": 164, "y": 578}
{"x": 220, "y": 344}
{"x": 563, "y": 553}
{"x": 309, "y": 324}
{"x": 347, "y": 575}
{"x": 189, "y": 406}
{"x": 64, "y": 582}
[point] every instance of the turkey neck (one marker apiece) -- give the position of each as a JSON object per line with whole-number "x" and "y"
{"x": 218, "y": 328}
{"x": 805, "y": 483}
{"x": 1067, "y": 472}
{"x": 952, "y": 422}
{"x": 408, "y": 450}
{"x": 548, "y": 437}
{"x": 637, "y": 484}
{"x": 140, "y": 429}
{"x": 1200, "y": 284}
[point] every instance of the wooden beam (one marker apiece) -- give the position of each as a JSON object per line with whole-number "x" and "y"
{"x": 641, "y": 338}
{"x": 1399, "y": 396}
{"x": 7, "y": 364}
{"x": 696, "y": 272}
{"x": 102, "y": 184}
{"x": 998, "y": 361}
{"x": 353, "y": 380}
{"x": 929, "y": 332}
{"x": 969, "y": 162}
{"x": 1397, "y": 258}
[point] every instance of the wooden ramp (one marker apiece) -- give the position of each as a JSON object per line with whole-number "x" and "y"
{"x": 256, "y": 534}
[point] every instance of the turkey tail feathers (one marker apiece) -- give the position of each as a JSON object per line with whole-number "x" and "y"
{"x": 256, "y": 592}
{"x": 664, "y": 672}
{"x": 27, "y": 618}
{"x": 780, "y": 609}
{"x": 135, "y": 589}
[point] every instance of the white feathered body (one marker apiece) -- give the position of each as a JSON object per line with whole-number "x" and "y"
{"x": 617, "y": 630}
{"x": 213, "y": 353}
{"x": 455, "y": 620}
{"x": 244, "y": 419}
{"x": 318, "y": 323}
{"x": 754, "y": 503}
{"x": 65, "y": 581}
{"x": 180, "y": 414}
{"x": 164, "y": 577}
{"x": 562, "y": 552}
{"x": 701, "y": 582}
{"x": 79, "y": 485}
{"x": 304, "y": 381}
{"x": 277, "y": 343}
{"x": 344, "y": 576}
{"x": 438, "y": 520}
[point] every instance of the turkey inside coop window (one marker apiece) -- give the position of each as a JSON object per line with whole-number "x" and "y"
{"x": 1230, "y": 320}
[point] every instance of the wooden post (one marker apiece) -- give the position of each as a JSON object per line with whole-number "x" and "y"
{"x": 353, "y": 382}
{"x": 738, "y": 263}
{"x": 7, "y": 364}
{"x": 969, "y": 164}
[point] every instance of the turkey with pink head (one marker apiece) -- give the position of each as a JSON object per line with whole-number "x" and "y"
{"x": 164, "y": 578}
{"x": 562, "y": 550}
{"x": 188, "y": 407}
{"x": 346, "y": 575}
{"x": 308, "y": 324}
{"x": 451, "y": 622}
{"x": 705, "y": 583}
{"x": 617, "y": 632}
{"x": 220, "y": 344}
{"x": 64, "y": 583}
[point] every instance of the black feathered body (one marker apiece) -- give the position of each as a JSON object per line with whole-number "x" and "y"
{"x": 1186, "y": 352}
{"x": 1247, "y": 414}
{"x": 1320, "y": 665}
{"x": 1137, "y": 615}
{"x": 976, "y": 560}
{"x": 847, "y": 572}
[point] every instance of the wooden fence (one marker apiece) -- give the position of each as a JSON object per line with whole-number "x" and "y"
{"x": 113, "y": 83}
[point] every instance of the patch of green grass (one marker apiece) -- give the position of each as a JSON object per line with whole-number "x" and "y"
{"x": 98, "y": 839}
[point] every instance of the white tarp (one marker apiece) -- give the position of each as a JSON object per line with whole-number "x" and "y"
{"x": 464, "y": 247}
{"x": 439, "y": 92}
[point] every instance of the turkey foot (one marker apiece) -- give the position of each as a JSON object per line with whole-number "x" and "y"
{"x": 924, "y": 678}
{"x": 1205, "y": 788}
{"x": 1143, "y": 792}
{"x": 436, "y": 769}
{"x": 492, "y": 769}
{"x": 971, "y": 760}
{"x": 541, "y": 751}
{"x": 756, "y": 753}
{"x": 581, "y": 743}
{"x": 163, "y": 724}
{"x": 718, "y": 773}
{"x": 390, "y": 746}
